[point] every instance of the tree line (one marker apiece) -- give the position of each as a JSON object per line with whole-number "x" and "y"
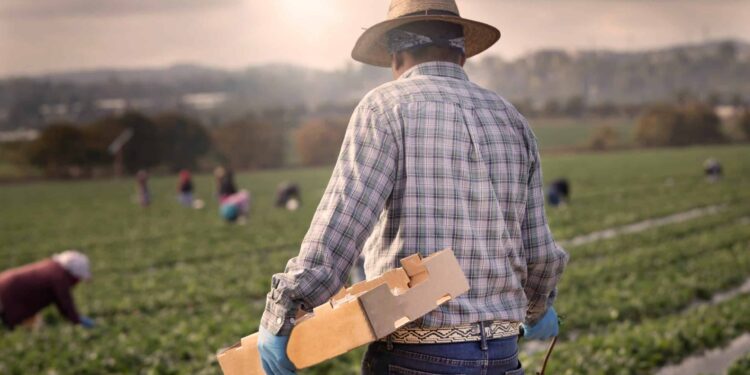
{"x": 174, "y": 141}
{"x": 280, "y": 138}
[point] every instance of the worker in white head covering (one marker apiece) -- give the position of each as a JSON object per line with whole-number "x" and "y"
{"x": 26, "y": 290}
{"x": 76, "y": 263}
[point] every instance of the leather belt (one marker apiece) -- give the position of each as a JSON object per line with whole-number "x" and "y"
{"x": 463, "y": 333}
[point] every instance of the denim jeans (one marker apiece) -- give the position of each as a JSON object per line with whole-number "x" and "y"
{"x": 498, "y": 356}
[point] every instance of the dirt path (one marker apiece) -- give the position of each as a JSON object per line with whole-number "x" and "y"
{"x": 716, "y": 361}
{"x": 642, "y": 225}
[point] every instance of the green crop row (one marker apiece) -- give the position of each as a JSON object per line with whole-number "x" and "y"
{"x": 741, "y": 366}
{"x": 603, "y": 212}
{"x": 172, "y": 285}
{"x": 654, "y": 280}
{"x": 629, "y": 348}
{"x": 612, "y": 246}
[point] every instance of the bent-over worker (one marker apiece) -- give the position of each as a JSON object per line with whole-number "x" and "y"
{"x": 430, "y": 161}
{"x": 26, "y": 290}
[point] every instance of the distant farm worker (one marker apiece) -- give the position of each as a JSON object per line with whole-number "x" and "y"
{"x": 26, "y": 290}
{"x": 224, "y": 182}
{"x": 219, "y": 173}
{"x": 558, "y": 192}
{"x": 185, "y": 188}
{"x": 235, "y": 207}
{"x": 430, "y": 161}
{"x": 144, "y": 194}
{"x": 712, "y": 169}
{"x": 288, "y": 196}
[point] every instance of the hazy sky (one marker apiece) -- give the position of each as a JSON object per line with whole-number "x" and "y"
{"x": 54, "y": 35}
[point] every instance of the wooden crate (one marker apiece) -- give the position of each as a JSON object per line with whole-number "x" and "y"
{"x": 360, "y": 314}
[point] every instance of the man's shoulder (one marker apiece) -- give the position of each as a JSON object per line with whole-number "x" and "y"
{"x": 428, "y": 88}
{"x": 385, "y": 96}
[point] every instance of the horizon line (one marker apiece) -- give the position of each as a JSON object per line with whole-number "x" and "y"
{"x": 349, "y": 62}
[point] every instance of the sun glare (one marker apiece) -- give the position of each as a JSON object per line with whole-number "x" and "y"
{"x": 308, "y": 16}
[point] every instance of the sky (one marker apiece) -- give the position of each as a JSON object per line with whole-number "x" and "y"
{"x": 43, "y": 36}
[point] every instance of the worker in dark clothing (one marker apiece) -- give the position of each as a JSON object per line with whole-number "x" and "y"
{"x": 712, "y": 169}
{"x": 226, "y": 184}
{"x": 288, "y": 196}
{"x": 26, "y": 290}
{"x": 558, "y": 192}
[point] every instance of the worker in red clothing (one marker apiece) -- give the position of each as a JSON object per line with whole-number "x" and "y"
{"x": 26, "y": 290}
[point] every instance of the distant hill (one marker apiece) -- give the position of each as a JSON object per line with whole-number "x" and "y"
{"x": 713, "y": 68}
{"x": 721, "y": 67}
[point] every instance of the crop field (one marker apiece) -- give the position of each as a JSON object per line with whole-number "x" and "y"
{"x": 172, "y": 285}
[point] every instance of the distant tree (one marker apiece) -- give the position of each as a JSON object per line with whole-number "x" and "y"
{"x": 657, "y": 126}
{"x": 744, "y": 124}
{"x": 606, "y": 109}
{"x": 702, "y": 125}
{"x": 182, "y": 141}
{"x": 525, "y": 106}
{"x": 59, "y": 149}
{"x": 574, "y": 106}
{"x": 319, "y": 140}
{"x": 552, "y": 107}
{"x": 713, "y": 99}
{"x": 250, "y": 143}
{"x": 604, "y": 138}
{"x": 665, "y": 125}
{"x": 143, "y": 149}
{"x": 684, "y": 96}
{"x": 728, "y": 50}
{"x": 738, "y": 100}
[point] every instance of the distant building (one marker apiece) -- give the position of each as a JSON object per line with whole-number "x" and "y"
{"x": 727, "y": 112}
{"x": 204, "y": 101}
{"x": 18, "y": 135}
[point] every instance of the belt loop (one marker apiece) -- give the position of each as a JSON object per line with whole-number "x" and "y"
{"x": 483, "y": 337}
{"x": 389, "y": 343}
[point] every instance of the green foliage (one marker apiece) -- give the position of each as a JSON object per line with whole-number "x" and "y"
{"x": 170, "y": 139}
{"x": 744, "y": 124}
{"x": 687, "y": 124}
{"x": 604, "y": 138}
{"x": 182, "y": 141}
{"x": 741, "y": 367}
{"x": 172, "y": 285}
{"x": 59, "y": 149}
{"x": 640, "y": 349}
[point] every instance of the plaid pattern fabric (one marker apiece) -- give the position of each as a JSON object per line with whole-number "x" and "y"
{"x": 431, "y": 161}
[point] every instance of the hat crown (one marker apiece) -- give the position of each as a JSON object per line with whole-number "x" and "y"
{"x": 400, "y": 8}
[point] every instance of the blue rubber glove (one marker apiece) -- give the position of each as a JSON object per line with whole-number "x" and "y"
{"x": 87, "y": 322}
{"x": 544, "y": 329}
{"x": 273, "y": 354}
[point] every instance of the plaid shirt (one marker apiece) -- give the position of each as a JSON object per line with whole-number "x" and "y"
{"x": 431, "y": 161}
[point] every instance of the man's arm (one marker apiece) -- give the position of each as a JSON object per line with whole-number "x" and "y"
{"x": 545, "y": 260}
{"x": 361, "y": 183}
{"x": 65, "y": 304}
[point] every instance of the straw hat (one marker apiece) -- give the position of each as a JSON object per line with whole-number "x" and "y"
{"x": 371, "y": 47}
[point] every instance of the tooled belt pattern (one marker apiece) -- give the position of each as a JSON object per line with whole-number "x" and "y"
{"x": 463, "y": 333}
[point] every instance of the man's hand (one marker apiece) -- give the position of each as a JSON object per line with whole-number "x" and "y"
{"x": 273, "y": 354}
{"x": 545, "y": 328}
{"x": 87, "y": 322}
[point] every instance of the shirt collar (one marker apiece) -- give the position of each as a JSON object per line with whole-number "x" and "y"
{"x": 436, "y": 68}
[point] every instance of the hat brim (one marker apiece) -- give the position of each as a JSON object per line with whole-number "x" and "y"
{"x": 371, "y": 47}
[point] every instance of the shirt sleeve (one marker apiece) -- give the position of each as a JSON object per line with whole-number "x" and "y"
{"x": 544, "y": 258}
{"x": 357, "y": 192}
{"x": 65, "y": 304}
